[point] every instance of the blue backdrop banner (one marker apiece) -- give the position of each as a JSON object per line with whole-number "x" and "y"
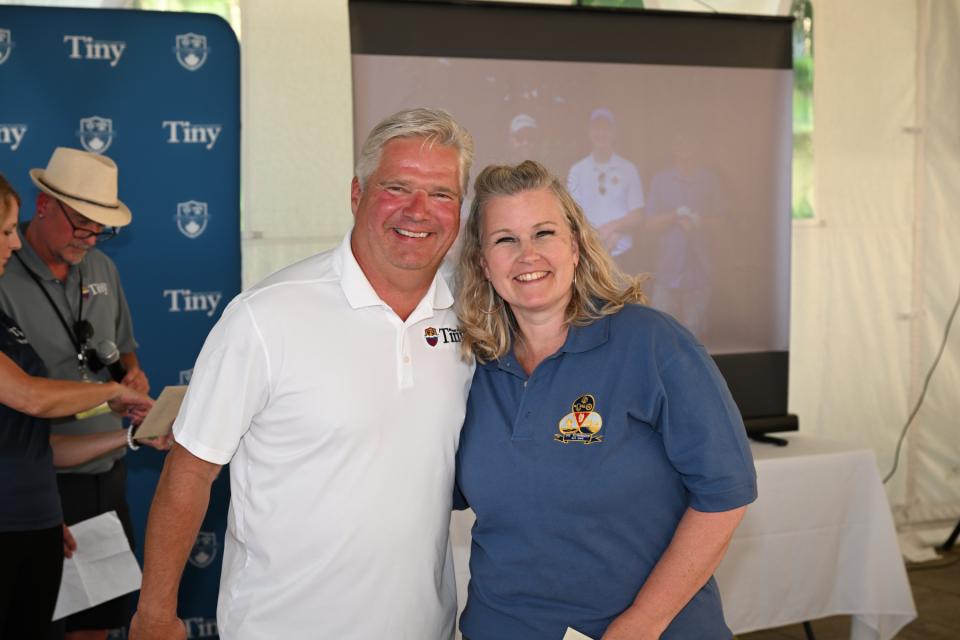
{"x": 160, "y": 94}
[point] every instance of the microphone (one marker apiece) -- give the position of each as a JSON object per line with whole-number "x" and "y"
{"x": 109, "y": 356}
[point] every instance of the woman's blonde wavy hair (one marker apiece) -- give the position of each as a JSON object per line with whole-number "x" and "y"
{"x": 600, "y": 288}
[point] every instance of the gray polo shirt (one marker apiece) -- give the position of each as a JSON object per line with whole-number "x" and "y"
{"x": 96, "y": 282}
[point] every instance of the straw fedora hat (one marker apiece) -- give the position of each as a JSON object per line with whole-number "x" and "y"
{"x": 85, "y": 181}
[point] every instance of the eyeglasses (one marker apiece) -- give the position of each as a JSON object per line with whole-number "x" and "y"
{"x": 85, "y": 234}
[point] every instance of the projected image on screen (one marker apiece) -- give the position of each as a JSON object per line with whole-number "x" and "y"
{"x": 678, "y": 168}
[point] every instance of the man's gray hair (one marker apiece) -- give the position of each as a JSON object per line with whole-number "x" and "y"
{"x": 435, "y": 126}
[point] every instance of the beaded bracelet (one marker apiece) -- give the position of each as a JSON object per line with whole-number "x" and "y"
{"x": 130, "y": 443}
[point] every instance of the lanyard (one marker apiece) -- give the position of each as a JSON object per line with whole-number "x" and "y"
{"x": 82, "y": 331}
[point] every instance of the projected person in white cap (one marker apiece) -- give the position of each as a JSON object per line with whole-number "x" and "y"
{"x": 66, "y": 296}
{"x": 336, "y": 391}
{"x": 607, "y": 186}
{"x": 523, "y": 138}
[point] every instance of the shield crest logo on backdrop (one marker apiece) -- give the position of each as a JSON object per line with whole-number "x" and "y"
{"x": 191, "y": 50}
{"x": 6, "y": 44}
{"x": 192, "y": 218}
{"x": 204, "y": 549}
{"x": 96, "y": 133}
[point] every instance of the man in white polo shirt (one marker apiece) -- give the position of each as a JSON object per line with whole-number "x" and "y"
{"x": 336, "y": 391}
{"x": 608, "y": 186}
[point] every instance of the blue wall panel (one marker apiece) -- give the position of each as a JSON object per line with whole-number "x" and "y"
{"x": 160, "y": 94}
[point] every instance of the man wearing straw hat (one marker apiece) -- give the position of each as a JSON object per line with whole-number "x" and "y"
{"x": 66, "y": 295}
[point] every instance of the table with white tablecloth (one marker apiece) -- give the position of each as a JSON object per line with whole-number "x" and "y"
{"x": 819, "y": 541}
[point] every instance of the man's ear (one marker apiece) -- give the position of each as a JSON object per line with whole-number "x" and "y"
{"x": 355, "y": 193}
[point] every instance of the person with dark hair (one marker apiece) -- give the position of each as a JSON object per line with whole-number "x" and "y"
{"x": 335, "y": 390}
{"x": 33, "y": 538}
{"x": 66, "y": 296}
{"x": 602, "y": 454}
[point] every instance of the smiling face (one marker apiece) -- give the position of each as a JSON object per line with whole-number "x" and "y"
{"x": 529, "y": 253}
{"x": 408, "y": 214}
{"x": 9, "y": 238}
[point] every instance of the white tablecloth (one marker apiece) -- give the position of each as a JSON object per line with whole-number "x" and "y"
{"x": 819, "y": 541}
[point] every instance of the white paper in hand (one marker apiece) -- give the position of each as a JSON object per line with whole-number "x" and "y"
{"x": 102, "y": 568}
{"x": 573, "y": 634}
{"x": 162, "y": 415}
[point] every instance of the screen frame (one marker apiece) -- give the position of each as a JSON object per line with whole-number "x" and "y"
{"x": 758, "y": 381}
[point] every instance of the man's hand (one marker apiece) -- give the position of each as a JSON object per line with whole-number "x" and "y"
{"x": 136, "y": 379}
{"x": 69, "y": 543}
{"x": 612, "y": 232}
{"x": 147, "y": 627}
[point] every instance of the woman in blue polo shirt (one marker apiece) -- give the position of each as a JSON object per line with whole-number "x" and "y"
{"x": 603, "y": 456}
{"x": 33, "y": 540}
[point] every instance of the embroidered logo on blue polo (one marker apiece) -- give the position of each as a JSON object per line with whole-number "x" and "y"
{"x": 582, "y": 424}
{"x": 443, "y": 335}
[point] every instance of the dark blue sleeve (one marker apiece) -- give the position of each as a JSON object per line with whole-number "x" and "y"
{"x": 702, "y": 429}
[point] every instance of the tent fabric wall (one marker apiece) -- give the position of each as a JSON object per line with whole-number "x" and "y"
{"x": 874, "y": 277}
{"x": 936, "y": 472}
{"x": 297, "y": 139}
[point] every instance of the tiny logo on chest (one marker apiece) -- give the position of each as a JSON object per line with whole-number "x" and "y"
{"x": 582, "y": 424}
{"x": 443, "y": 335}
{"x": 94, "y": 289}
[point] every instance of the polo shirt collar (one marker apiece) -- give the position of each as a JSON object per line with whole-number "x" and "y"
{"x": 579, "y": 340}
{"x": 597, "y": 166}
{"x": 33, "y": 261}
{"x": 591, "y": 336}
{"x": 360, "y": 293}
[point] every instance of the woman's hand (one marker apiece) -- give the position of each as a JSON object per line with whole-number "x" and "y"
{"x": 160, "y": 443}
{"x": 130, "y": 403}
{"x": 628, "y": 626}
{"x": 69, "y": 543}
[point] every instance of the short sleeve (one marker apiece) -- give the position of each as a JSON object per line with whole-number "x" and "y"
{"x": 229, "y": 386}
{"x": 703, "y": 432}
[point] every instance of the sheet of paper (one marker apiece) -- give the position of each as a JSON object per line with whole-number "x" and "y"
{"x": 160, "y": 419}
{"x": 573, "y": 634}
{"x": 102, "y": 568}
